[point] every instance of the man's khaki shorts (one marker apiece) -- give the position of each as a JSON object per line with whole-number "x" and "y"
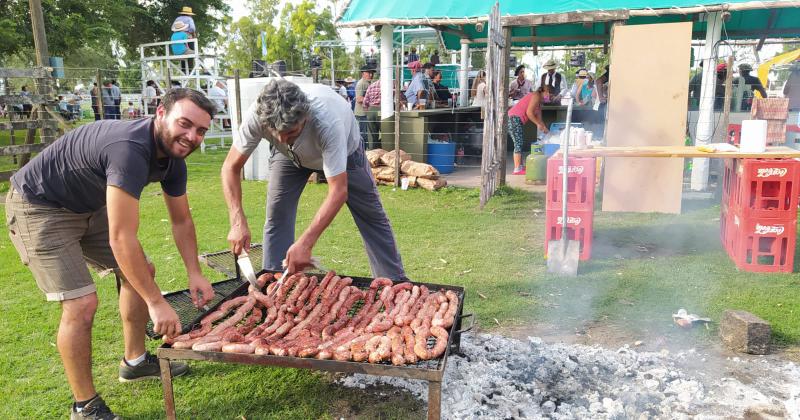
{"x": 56, "y": 244}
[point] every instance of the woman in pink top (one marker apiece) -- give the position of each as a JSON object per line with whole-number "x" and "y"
{"x": 529, "y": 108}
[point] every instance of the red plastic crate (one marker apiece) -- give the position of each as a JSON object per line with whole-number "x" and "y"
{"x": 580, "y": 183}
{"x": 727, "y": 229}
{"x": 734, "y": 134}
{"x": 764, "y": 245}
{"x": 729, "y": 180}
{"x": 765, "y": 188}
{"x": 579, "y": 227}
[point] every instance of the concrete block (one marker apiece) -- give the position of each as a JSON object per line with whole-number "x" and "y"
{"x": 744, "y": 332}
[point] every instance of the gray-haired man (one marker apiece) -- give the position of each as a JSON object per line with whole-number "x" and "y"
{"x": 310, "y": 128}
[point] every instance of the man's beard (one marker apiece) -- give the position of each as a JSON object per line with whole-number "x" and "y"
{"x": 164, "y": 139}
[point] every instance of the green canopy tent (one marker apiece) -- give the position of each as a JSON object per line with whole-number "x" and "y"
{"x": 570, "y": 22}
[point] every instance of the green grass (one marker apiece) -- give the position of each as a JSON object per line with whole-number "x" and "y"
{"x": 644, "y": 268}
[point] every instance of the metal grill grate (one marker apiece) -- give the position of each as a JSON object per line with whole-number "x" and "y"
{"x": 189, "y": 315}
{"x": 225, "y": 262}
{"x": 360, "y": 282}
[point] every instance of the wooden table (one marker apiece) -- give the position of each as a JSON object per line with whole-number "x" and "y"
{"x": 772, "y": 152}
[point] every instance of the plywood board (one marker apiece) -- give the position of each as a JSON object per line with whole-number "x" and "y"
{"x": 648, "y": 94}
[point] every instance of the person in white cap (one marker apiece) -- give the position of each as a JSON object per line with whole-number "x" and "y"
{"x": 185, "y": 17}
{"x": 219, "y": 95}
{"x": 551, "y": 78}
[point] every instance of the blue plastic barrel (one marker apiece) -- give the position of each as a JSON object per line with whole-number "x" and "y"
{"x": 57, "y": 63}
{"x": 442, "y": 156}
{"x": 550, "y": 148}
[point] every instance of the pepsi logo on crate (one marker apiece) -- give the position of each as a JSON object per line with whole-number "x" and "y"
{"x": 571, "y": 220}
{"x": 572, "y": 169}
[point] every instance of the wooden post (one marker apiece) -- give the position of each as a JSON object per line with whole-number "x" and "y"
{"x": 434, "y": 400}
{"x": 397, "y": 91}
{"x": 726, "y": 106}
{"x": 100, "y": 108}
{"x": 166, "y": 384}
{"x": 169, "y": 78}
{"x": 502, "y": 112}
{"x": 42, "y": 60}
{"x": 315, "y": 75}
{"x": 533, "y": 41}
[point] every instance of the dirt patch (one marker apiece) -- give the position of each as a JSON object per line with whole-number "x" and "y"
{"x": 380, "y": 402}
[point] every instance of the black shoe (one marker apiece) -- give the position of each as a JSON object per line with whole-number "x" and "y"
{"x": 96, "y": 409}
{"x": 148, "y": 369}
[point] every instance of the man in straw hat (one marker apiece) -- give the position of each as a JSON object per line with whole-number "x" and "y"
{"x": 185, "y": 17}
{"x": 551, "y": 78}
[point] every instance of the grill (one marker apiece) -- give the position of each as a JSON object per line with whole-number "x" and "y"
{"x": 429, "y": 370}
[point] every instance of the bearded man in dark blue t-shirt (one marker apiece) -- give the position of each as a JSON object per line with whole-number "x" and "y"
{"x": 77, "y": 202}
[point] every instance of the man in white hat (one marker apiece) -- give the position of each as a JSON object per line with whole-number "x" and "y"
{"x": 185, "y": 17}
{"x": 551, "y": 77}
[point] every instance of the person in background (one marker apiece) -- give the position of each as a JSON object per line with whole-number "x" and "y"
{"x": 520, "y": 86}
{"x": 109, "y": 110}
{"x": 413, "y": 56}
{"x": 27, "y": 105}
{"x": 722, "y": 73}
{"x": 372, "y": 103}
{"x": 442, "y": 92}
{"x": 791, "y": 89}
{"x": 435, "y": 57}
{"x": 359, "y": 110}
{"x": 219, "y": 95}
{"x": 479, "y": 90}
{"x": 150, "y": 96}
{"x": 747, "y": 84}
{"x": 95, "y": 94}
{"x": 350, "y": 85}
{"x": 427, "y": 70}
{"x": 695, "y": 84}
{"x": 601, "y": 93}
{"x": 77, "y": 203}
{"x": 405, "y": 58}
{"x": 551, "y": 77}
{"x": 116, "y": 94}
{"x": 416, "y": 90}
{"x": 310, "y": 129}
{"x": 131, "y": 111}
{"x": 582, "y": 89}
{"x": 63, "y": 108}
{"x": 529, "y": 108}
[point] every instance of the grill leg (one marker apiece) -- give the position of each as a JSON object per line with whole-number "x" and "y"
{"x": 166, "y": 383}
{"x": 434, "y": 400}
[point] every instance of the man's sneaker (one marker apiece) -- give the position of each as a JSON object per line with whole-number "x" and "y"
{"x": 148, "y": 369}
{"x": 96, "y": 409}
{"x": 519, "y": 171}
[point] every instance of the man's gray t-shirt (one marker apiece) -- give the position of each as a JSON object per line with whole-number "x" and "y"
{"x": 74, "y": 171}
{"x": 328, "y": 137}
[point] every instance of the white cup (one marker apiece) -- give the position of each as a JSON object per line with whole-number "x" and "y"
{"x": 404, "y": 183}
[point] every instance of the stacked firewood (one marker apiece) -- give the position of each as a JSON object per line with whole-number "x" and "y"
{"x": 330, "y": 319}
{"x": 418, "y": 174}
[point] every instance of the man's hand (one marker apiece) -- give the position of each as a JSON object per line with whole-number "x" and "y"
{"x": 298, "y": 257}
{"x": 201, "y": 290}
{"x": 239, "y": 237}
{"x": 165, "y": 320}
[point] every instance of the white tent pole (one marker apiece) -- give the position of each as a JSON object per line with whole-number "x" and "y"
{"x": 464, "y": 75}
{"x": 387, "y": 61}
{"x": 705, "y": 121}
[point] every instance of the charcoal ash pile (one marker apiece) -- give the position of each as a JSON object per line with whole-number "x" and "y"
{"x": 504, "y": 378}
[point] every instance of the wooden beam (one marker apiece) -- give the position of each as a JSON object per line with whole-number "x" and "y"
{"x": 19, "y": 99}
{"x": 570, "y": 17}
{"x": 457, "y": 32}
{"x": 21, "y": 125}
{"x": 773, "y": 15}
{"x": 533, "y": 41}
{"x": 544, "y": 39}
{"x": 22, "y": 149}
{"x": 33, "y": 73}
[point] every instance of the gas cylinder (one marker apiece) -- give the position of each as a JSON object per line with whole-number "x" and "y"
{"x": 536, "y": 166}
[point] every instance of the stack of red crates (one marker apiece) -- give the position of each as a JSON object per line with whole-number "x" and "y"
{"x": 758, "y": 224}
{"x": 580, "y": 202}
